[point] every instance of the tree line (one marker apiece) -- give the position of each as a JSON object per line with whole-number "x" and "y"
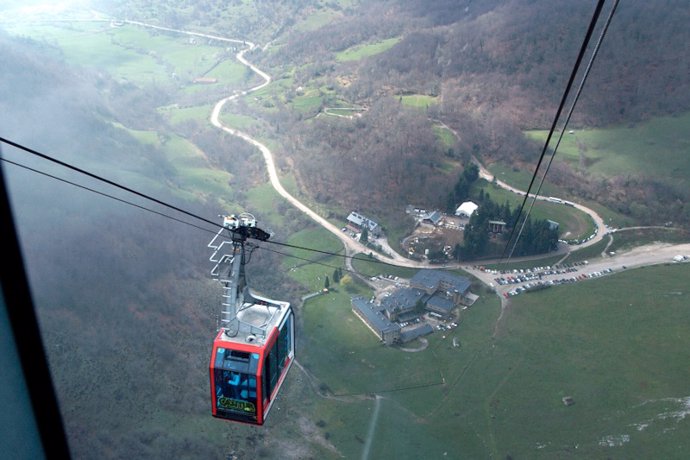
{"x": 538, "y": 236}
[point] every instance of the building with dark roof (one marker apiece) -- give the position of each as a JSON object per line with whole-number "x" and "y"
{"x": 434, "y": 291}
{"x": 378, "y": 323}
{"x": 454, "y": 287}
{"x": 496, "y": 226}
{"x": 411, "y": 334}
{"x": 359, "y": 222}
{"x": 439, "y": 280}
{"x": 439, "y": 303}
{"x": 433, "y": 218}
{"x": 402, "y": 301}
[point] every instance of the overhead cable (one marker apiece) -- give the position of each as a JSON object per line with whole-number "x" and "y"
{"x": 567, "y": 120}
{"x": 583, "y": 49}
{"x": 104, "y": 180}
{"x": 112, "y": 197}
{"x": 146, "y": 197}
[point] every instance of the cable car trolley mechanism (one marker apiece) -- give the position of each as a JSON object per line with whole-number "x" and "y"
{"x": 255, "y": 344}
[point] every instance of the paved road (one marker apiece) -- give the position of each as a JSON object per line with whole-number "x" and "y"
{"x": 647, "y": 255}
{"x": 351, "y": 245}
{"x": 652, "y": 254}
{"x": 596, "y": 218}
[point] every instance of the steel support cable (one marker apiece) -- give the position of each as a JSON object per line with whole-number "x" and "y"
{"x": 567, "y": 119}
{"x": 316, "y": 262}
{"x": 344, "y": 256}
{"x": 105, "y": 180}
{"x": 583, "y": 49}
{"x": 112, "y": 197}
{"x": 143, "y": 195}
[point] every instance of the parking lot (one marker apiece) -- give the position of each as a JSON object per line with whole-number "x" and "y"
{"x": 508, "y": 283}
{"x": 513, "y": 282}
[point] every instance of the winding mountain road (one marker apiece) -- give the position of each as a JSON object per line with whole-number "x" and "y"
{"x": 637, "y": 257}
{"x": 599, "y": 224}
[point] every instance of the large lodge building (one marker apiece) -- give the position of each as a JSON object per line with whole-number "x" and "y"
{"x": 430, "y": 291}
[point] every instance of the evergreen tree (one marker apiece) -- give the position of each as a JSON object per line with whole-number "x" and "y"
{"x": 364, "y": 237}
{"x": 471, "y": 173}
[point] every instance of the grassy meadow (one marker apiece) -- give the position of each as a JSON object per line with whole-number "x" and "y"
{"x": 500, "y": 393}
{"x": 574, "y": 224}
{"x": 660, "y": 147}
{"x": 445, "y": 136}
{"x": 362, "y": 51}
{"x": 420, "y": 101}
{"x": 138, "y": 55}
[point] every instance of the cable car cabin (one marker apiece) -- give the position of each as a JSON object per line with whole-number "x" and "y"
{"x": 248, "y": 369}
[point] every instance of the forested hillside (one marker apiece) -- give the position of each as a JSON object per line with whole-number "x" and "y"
{"x": 120, "y": 291}
{"x": 490, "y": 71}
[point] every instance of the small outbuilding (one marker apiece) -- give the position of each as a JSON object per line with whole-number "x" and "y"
{"x": 433, "y": 218}
{"x": 466, "y": 209}
{"x": 496, "y": 226}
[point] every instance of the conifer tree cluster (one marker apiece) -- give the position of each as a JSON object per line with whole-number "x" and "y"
{"x": 537, "y": 237}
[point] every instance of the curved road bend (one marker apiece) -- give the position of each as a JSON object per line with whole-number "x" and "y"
{"x": 486, "y": 175}
{"x": 351, "y": 245}
{"x": 598, "y": 221}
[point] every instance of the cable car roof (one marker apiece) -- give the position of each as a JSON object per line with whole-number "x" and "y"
{"x": 263, "y": 315}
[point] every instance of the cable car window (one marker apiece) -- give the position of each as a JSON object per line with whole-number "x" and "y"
{"x": 277, "y": 358}
{"x": 236, "y": 360}
{"x": 236, "y": 393}
{"x": 271, "y": 372}
{"x": 235, "y": 383}
{"x": 284, "y": 343}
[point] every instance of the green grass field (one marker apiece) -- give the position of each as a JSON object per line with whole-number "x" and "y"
{"x": 369, "y": 267}
{"x": 574, "y": 224}
{"x": 445, "y": 136}
{"x": 420, "y": 101}
{"x": 237, "y": 121}
{"x": 316, "y": 20}
{"x": 231, "y": 73}
{"x": 136, "y": 54}
{"x": 308, "y": 102}
{"x": 659, "y": 147}
{"x": 520, "y": 179}
{"x": 499, "y": 396}
{"x": 362, "y": 51}
{"x": 630, "y": 238}
{"x": 307, "y": 267}
{"x": 175, "y": 115}
{"x": 193, "y": 175}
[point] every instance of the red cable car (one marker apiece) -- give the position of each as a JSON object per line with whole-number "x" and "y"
{"x": 247, "y": 370}
{"x": 255, "y": 346}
